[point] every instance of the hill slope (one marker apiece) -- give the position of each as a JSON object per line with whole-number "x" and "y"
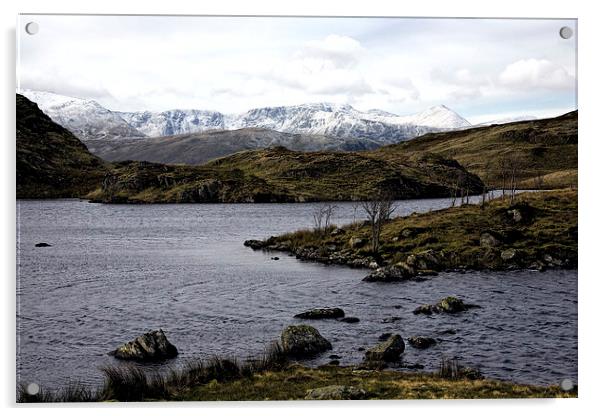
{"x": 544, "y": 151}
{"x": 280, "y": 175}
{"x": 51, "y": 161}
{"x": 198, "y": 148}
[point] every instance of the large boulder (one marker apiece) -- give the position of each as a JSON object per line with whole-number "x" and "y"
{"x": 321, "y": 313}
{"x": 450, "y": 304}
{"x": 335, "y": 393}
{"x": 303, "y": 341}
{"x": 152, "y": 346}
{"x": 425, "y": 260}
{"x": 388, "y": 351}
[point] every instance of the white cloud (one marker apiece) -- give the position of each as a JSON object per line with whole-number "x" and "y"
{"x": 234, "y": 64}
{"x": 536, "y": 73}
{"x": 340, "y": 51}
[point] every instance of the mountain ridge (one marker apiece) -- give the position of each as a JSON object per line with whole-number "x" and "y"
{"x": 327, "y": 119}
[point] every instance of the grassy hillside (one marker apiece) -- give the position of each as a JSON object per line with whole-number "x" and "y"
{"x": 279, "y": 175}
{"x": 544, "y": 151}
{"x": 51, "y": 161}
{"x": 538, "y": 230}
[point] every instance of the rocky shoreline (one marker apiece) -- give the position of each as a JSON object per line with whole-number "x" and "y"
{"x": 537, "y": 233}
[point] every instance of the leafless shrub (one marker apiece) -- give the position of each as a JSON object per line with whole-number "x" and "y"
{"x": 378, "y": 210}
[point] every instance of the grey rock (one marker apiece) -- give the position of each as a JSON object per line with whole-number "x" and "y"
{"x": 336, "y": 392}
{"x": 421, "y": 342}
{"x": 508, "y": 254}
{"x": 449, "y": 304}
{"x": 254, "y": 244}
{"x": 395, "y": 273}
{"x": 489, "y": 240}
{"x": 350, "y": 319}
{"x": 152, "y": 346}
{"x": 321, "y": 313}
{"x": 303, "y": 341}
{"x": 387, "y": 351}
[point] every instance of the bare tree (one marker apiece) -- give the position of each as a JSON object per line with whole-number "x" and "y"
{"x": 323, "y": 216}
{"x": 503, "y": 167}
{"x": 378, "y": 211}
{"x": 510, "y": 169}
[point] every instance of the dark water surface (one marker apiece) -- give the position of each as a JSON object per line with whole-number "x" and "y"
{"x": 116, "y": 271}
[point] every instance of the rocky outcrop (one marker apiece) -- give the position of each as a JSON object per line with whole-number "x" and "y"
{"x": 336, "y": 392}
{"x": 421, "y": 343}
{"x": 449, "y": 304}
{"x": 152, "y": 346}
{"x": 388, "y": 351}
{"x": 322, "y": 313}
{"x": 303, "y": 341}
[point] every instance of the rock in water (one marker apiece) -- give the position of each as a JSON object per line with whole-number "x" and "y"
{"x": 152, "y": 346}
{"x": 350, "y": 320}
{"x": 335, "y": 393}
{"x": 449, "y": 304}
{"x": 303, "y": 341}
{"x": 322, "y": 313}
{"x": 421, "y": 342}
{"x": 43, "y": 245}
{"x": 388, "y": 351}
{"x": 254, "y": 244}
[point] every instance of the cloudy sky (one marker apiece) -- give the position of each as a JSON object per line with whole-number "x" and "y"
{"x": 483, "y": 69}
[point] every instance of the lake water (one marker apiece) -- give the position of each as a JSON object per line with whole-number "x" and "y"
{"x": 114, "y": 272}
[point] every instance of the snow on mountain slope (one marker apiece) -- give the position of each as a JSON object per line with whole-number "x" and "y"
{"x": 438, "y": 117}
{"x": 87, "y": 119}
{"x": 173, "y": 122}
{"x": 90, "y": 121}
{"x": 337, "y": 120}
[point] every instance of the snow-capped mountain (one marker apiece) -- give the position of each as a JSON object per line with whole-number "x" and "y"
{"x": 337, "y": 120}
{"x": 439, "y": 117}
{"x": 90, "y": 121}
{"x": 87, "y": 119}
{"x": 168, "y": 123}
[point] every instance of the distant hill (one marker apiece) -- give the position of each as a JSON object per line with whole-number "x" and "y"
{"x": 51, "y": 161}
{"x": 198, "y": 148}
{"x": 544, "y": 151}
